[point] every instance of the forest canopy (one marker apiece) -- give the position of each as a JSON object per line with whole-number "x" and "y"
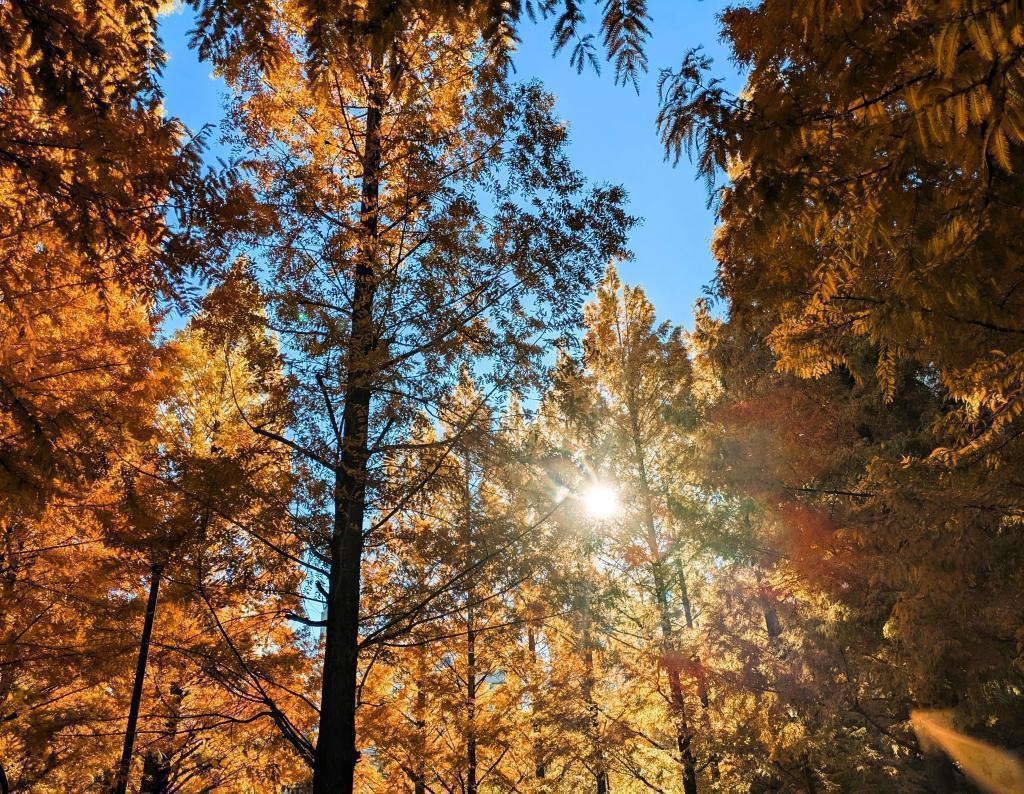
{"x": 356, "y": 461}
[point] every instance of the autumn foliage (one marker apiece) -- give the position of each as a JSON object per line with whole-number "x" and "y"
{"x": 353, "y": 464}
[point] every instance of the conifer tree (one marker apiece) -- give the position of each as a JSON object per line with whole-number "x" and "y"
{"x": 387, "y": 268}
{"x": 202, "y": 508}
{"x": 642, "y": 373}
{"x": 870, "y": 245}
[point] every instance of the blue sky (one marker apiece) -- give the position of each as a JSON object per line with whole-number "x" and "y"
{"x": 613, "y": 138}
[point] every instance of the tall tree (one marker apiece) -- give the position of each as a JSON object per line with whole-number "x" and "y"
{"x": 202, "y": 508}
{"x": 422, "y": 215}
{"x": 642, "y": 371}
{"x": 89, "y": 169}
{"x": 871, "y": 240}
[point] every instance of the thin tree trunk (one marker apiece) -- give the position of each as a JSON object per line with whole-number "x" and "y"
{"x": 808, "y": 774}
{"x": 471, "y": 681}
{"x": 702, "y": 684}
{"x": 600, "y": 773}
{"x": 420, "y": 773}
{"x": 125, "y": 764}
{"x": 469, "y": 540}
{"x": 773, "y": 626}
{"x": 336, "y": 754}
{"x": 675, "y": 687}
{"x": 941, "y": 773}
{"x": 156, "y": 774}
{"x": 669, "y": 650}
{"x": 771, "y": 617}
{"x": 538, "y": 750}
{"x": 8, "y": 646}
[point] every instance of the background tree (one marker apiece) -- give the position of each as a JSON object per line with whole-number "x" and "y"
{"x": 207, "y": 507}
{"x": 642, "y": 373}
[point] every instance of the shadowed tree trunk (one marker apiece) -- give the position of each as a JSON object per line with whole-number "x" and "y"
{"x": 336, "y": 754}
{"x": 471, "y": 681}
{"x": 675, "y": 687}
{"x": 600, "y": 773}
{"x": 469, "y": 538}
{"x": 773, "y": 626}
{"x": 8, "y": 649}
{"x": 420, "y": 771}
{"x": 771, "y": 617}
{"x": 125, "y": 764}
{"x": 943, "y": 776}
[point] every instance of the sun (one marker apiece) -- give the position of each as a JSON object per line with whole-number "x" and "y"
{"x": 601, "y": 502}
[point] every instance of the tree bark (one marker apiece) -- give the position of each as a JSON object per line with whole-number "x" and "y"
{"x": 600, "y": 773}
{"x": 469, "y": 541}
{"x": 336, "y": 755}
{"x": 8, "y": 645}
{"x": 539, "y": 769}
{"x": 771, "y": 622}
{"x": 125, "y": 764}
{"x": 156, "y": 774}
{"x": 702, "y": 684}
{"x": 773, "y": 626}
{"x": 471, "y": 761}
{"x": 420, "y": 772}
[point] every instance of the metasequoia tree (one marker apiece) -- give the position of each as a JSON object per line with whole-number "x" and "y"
{"x": 871, "y": 239}
{"x": 484, "y": 544}
{"x": 170, "y": 510}
{"x": 444, "y": 571}
{"x": 796, "y": 605}
{"x": 605, "y": 648}
{"x": 641, "y": 372}
{"x": 89, "y": 166}
{"x": 206, "y": 509}
{"x": 60, "y": 646}
{"x": 420, "y": 215}
{"x": 475, "y": 632}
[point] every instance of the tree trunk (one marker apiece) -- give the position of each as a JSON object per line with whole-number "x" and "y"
{"x": 773, "y": 626}
{"x": 471, "y": 784}
{"x": 420, "y": 772}
{"x": 675, "y": 687}
{"x": 771, "y": 622}
{"x": 336, "y": 754}
{"x": 668, "y": 643}
{"x": 600, "y": 773}
{"x": 124, "y": 766}
{"x": 808, "y": 773}
{"x": 771, "y": 617}
{"x": 8, "y": 644}
{"x": 538, "y": 750}
{"x": 702, "y": 684}
{"x": 942, "y": 775}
